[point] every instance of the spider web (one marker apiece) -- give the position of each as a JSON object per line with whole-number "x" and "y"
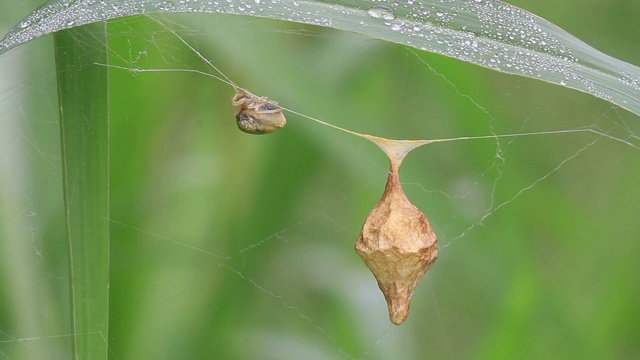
{"x": 227, "y": 245}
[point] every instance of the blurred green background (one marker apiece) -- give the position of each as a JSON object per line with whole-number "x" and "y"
{"x": 232, "y": 246}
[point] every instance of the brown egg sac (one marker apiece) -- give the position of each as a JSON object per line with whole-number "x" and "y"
{"x": 398, "y": 245}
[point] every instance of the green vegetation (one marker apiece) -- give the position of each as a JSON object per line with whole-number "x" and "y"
{"x": 232, "y": 246}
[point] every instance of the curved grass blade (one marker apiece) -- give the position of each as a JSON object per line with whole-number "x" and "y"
{"x": 488, "y": 33}
{"x": 84, "y": 126}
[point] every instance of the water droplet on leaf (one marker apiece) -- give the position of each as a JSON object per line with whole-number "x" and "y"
{"x": 381, "y": 12}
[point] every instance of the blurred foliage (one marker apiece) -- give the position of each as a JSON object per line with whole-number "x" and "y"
{"x": 83, "y": 97}
{"x": 232, "y": 246}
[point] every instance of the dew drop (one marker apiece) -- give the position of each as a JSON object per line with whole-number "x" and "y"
{"x": 381, "y": 12}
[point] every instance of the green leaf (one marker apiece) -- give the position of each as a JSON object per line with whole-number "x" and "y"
{"x": 84, "y": 127}
{"x": 488, "y": 33}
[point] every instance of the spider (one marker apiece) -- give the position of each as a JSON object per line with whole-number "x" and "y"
{"x": 257, "y": 115}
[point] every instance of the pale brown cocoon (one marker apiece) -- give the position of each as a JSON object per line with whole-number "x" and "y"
{"x": 398, "y": 245}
